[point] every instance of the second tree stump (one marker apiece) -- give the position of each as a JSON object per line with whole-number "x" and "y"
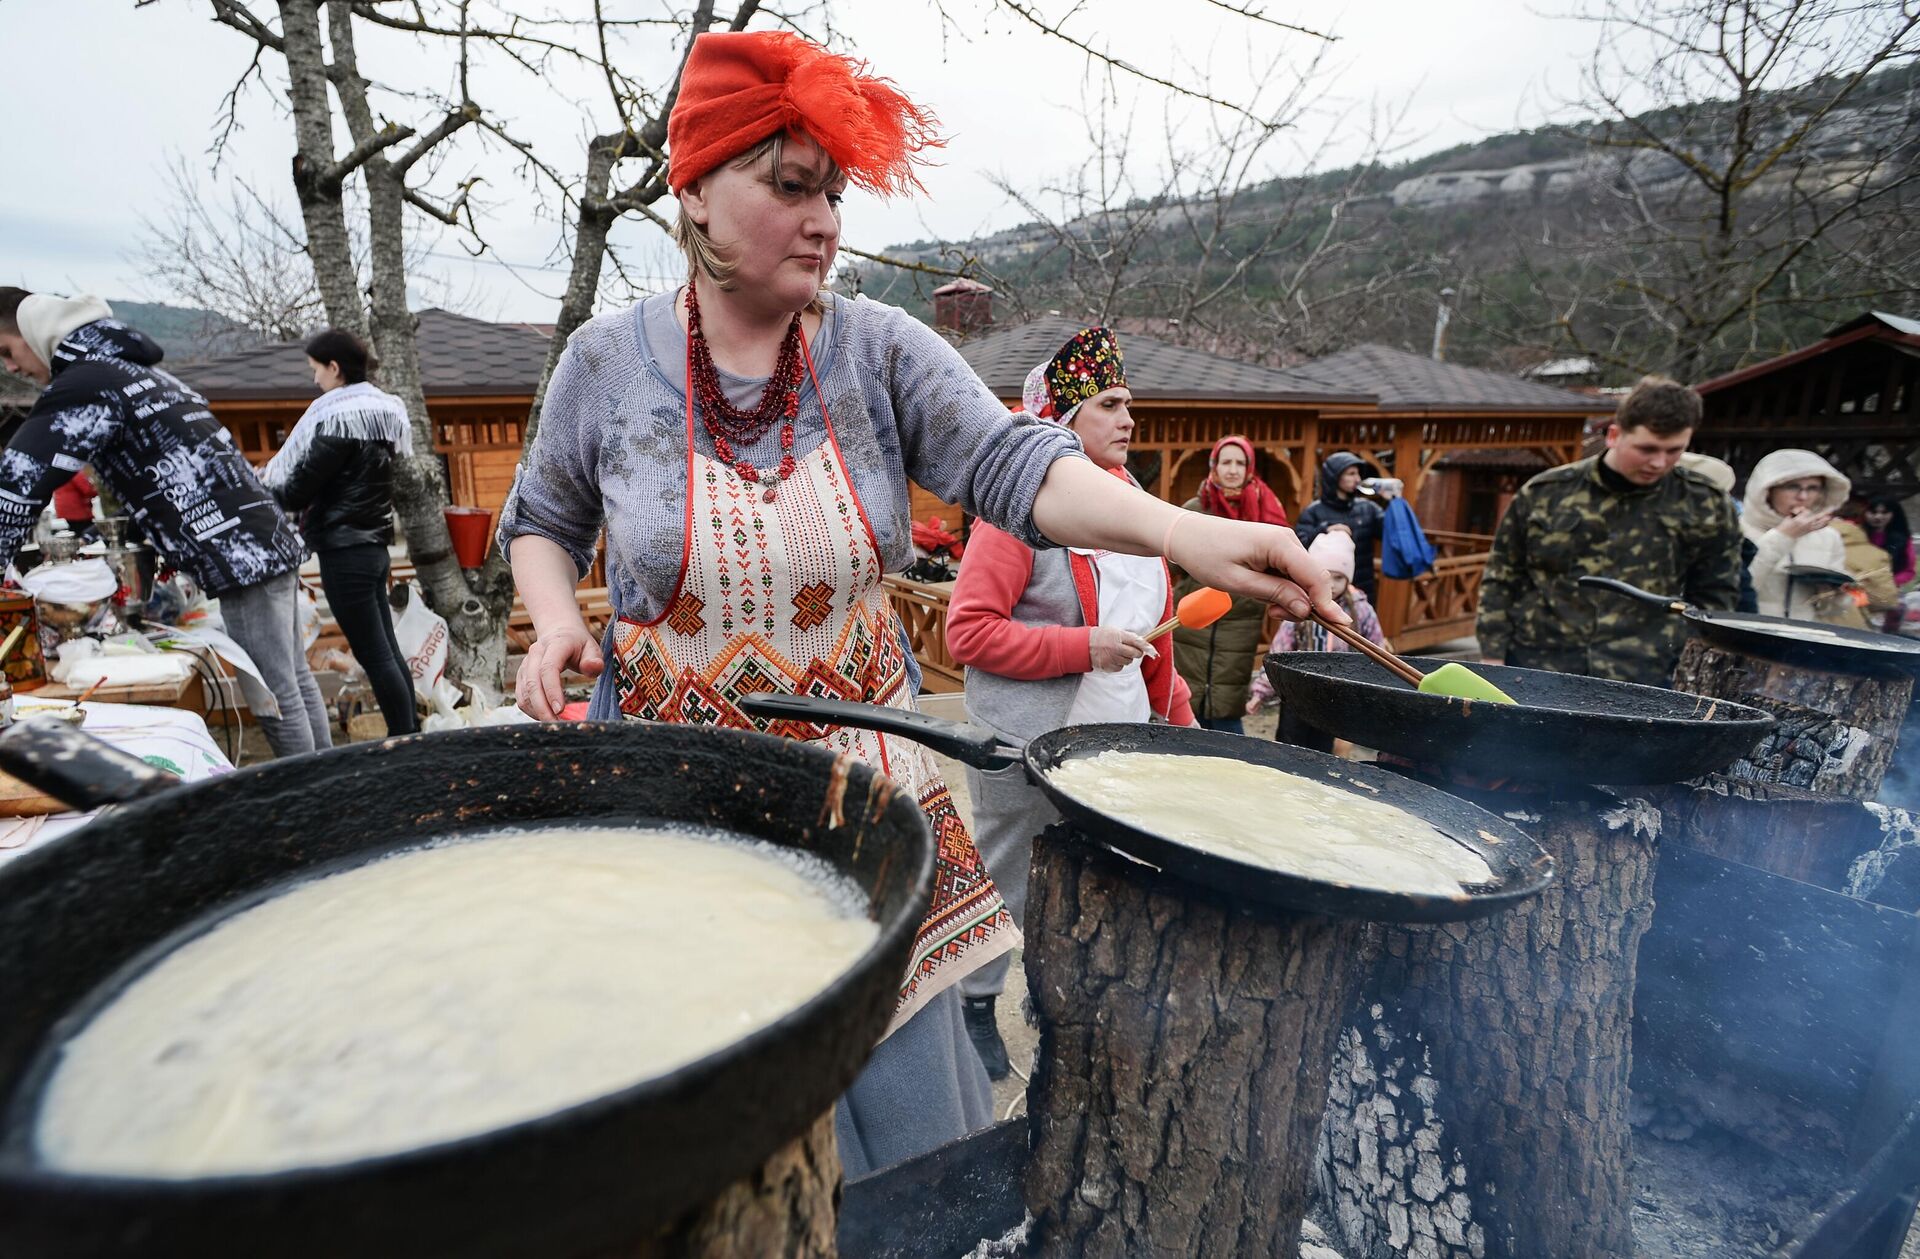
{"x": 1481, "y": 1108}
{"x": 1837, "y": 731}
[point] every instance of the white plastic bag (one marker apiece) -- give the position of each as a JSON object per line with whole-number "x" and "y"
{"x": 80, "y": 581}
{"x": 423, "y": 640}
{"x": 309, "y": 616}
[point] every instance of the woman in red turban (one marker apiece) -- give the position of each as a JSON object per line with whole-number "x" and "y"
{"x": 746, "y": 441}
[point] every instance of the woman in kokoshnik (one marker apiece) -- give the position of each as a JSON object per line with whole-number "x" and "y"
{"x": 1053, "y": 638}
{"x": 747, "y": 442}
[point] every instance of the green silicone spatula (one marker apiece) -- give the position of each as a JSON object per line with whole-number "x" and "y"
{"x": 1454, "y": 678}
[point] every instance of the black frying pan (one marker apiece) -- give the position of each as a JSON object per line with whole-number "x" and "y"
{"x": 1520, "y": 868}
{"x": 1777, "y": 638}
{"x": 1563, "y": 728}
{"x": 596, "y": 1178}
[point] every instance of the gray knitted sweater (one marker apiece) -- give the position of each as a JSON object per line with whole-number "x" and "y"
{"x": 612, "y": 441}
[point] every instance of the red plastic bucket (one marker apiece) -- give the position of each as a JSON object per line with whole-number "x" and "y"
{"x": 471, "y": 529}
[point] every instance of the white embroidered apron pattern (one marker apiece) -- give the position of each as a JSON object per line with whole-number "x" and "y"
{"x": 786, "y": 596}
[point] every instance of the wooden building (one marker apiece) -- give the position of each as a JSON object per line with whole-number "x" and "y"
{"x": 479, "y": 379}
{"x": 1464, "y": 438}
{"x": 1849, "y": 397}
{"x": 1184, "y": 401}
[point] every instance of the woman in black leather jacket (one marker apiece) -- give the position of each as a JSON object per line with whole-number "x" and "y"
{"x": 336, "y": 472}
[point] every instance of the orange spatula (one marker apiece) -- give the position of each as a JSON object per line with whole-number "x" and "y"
{"x": 1197, "y": 611}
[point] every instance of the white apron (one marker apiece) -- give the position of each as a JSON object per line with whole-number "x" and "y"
{"x": 1132, "y": 590}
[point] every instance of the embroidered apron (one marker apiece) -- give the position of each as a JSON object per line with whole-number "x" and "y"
{"x": 780, "y": 591}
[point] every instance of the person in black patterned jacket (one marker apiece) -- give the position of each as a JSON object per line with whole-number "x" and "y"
{"x": 187, "y": 486}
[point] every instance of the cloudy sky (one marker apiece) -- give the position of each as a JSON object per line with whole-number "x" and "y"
{"x": 105, "y": 95}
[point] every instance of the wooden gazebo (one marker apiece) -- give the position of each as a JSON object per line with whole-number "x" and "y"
{"x": 1463, "y": 440}
{"x": 1185, "y": 400}
{"x": 1460, "y": 438}
{"x": 1444, "y": 422}
{"x": 1849, "y": 397}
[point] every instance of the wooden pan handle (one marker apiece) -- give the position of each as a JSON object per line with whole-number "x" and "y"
{"x": 1361, "y": 643}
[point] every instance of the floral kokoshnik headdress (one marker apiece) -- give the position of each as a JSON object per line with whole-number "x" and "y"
{"x": 1090, "y": 363}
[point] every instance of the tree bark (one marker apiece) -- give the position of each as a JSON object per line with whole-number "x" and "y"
{"x": 1837, "y": 731}
{"x": 1789, "y": 831}
{"x": 1480, "y": 1101}
{"x": 1184, "y": 1044}
{"x": 476, "y": 608}
{"x": 322, "y": 210}
{"x": 787, "y": 1208}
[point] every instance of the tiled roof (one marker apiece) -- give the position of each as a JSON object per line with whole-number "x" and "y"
{"x": 1410, "y": 382}
{"x": 459, "y": 357}
{"x": 1156, "y": 370}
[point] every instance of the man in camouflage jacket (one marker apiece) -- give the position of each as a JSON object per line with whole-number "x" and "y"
{"x": 1630, "y": 513}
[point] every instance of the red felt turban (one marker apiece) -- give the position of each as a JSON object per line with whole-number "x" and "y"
{"x": 740, "y": 88}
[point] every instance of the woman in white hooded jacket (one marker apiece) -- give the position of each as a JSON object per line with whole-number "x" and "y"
{"x": 1789, "y": 505}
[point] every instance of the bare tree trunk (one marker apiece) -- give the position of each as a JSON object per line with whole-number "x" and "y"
{"x": 592, "y": 224}
{"x": 1837, "y": 732}
{"x": 1480, "y": 1104}
{"x": 322, "y": 209}
{"x": 476, "y": 610}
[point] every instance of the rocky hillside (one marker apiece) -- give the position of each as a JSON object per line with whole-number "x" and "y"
{"x": 1513, "y": 224}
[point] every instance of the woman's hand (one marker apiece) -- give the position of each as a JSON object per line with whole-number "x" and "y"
{"x": 1804, "y": 522}
{"x": 1113, "y": 649}
{"x": 538, "y": 688}
{"x": 1264, "y": 562}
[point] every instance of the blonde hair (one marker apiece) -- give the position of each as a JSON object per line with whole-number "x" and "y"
{"x": 703, "y": 253}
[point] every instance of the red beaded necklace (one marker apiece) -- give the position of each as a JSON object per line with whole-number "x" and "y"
{"x": 726, "y": 423}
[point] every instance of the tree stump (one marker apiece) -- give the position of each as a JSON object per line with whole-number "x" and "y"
{"x": 1480, "y": 1100}
{"x": 1837, "y": 731}
{"x": 787, "y": 1208}
{"x": 1184, "y": 1048}
{"x": 1835, "y": 842}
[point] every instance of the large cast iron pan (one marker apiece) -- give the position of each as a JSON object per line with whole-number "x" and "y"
{"x": 1777, "y": 638}
{"x": 1562, "y": 729}
{"x": 1519, "y": 866}
{"x": 590, "y": 1179}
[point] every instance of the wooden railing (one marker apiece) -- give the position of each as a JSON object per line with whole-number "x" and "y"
{"x": 1449, "y": 543}
{"x": 923, "y": 610}
{"x": 1435, "y": 607}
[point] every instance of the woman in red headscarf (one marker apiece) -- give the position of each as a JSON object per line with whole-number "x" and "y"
{"x": 1218, "y": 661}
{"x": 746, "y": 440}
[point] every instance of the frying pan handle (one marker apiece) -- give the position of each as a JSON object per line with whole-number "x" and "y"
{"x": 979, "y": 748}
{"x": 1634, "y": 592}
{"x": 75, "y": 768}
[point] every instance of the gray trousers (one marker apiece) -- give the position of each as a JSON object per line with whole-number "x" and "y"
{"x": 1008, "y": 811}
{"x": 923, "y": 1087}
{"x": 264, "y": 619}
